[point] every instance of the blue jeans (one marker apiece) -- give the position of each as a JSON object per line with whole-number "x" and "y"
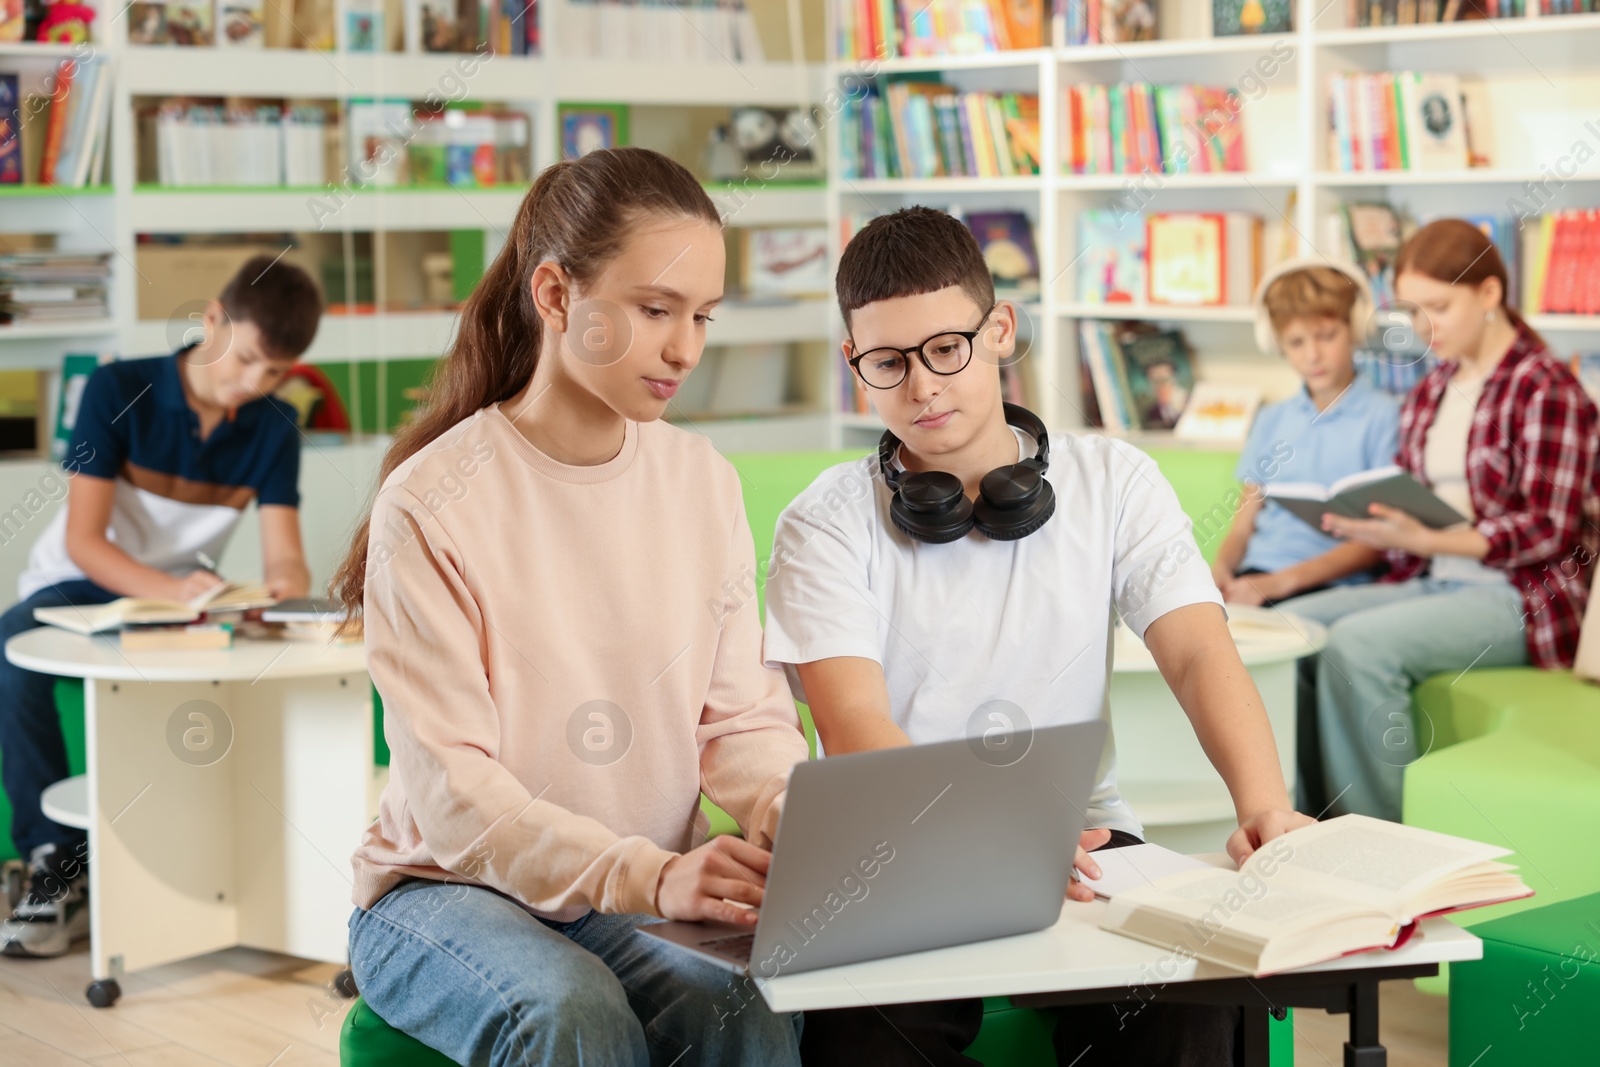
{"x": 468, "y": 972}
{"x": 1359, "y": 730}
{"x": 33, "y": 754}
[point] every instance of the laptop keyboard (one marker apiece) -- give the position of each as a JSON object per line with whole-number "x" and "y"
{"x": 734, "y": 946}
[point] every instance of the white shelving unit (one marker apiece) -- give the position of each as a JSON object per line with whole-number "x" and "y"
{"x": 1540, "y": 70}
{"x": 112, "y": 217}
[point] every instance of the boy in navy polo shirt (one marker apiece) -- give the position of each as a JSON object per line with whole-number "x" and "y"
{"x": 1313, "y": 313}
{"x": 166, "y": 454}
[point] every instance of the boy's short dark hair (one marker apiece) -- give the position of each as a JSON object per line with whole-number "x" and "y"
{"x": 909, "y": 252}
{"x": 280, "y": 299}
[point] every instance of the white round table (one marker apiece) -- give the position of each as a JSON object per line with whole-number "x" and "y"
{"x": 1162, "y": 771}
{"x": 225, "y": 790}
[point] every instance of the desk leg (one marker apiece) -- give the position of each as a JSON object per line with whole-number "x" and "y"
{"x": 1257, "y": 1037}
{"x": 302, "y": 771}
{"x": 1364, "y": 1048}
{"x": 161, "y": 878}
{"x": 223, "y": 814}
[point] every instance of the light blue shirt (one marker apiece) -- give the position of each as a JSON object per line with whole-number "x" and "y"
{"x": 1293, "y": 442}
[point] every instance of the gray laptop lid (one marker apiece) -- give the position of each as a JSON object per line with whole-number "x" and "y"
{"x": 913, "y": 848}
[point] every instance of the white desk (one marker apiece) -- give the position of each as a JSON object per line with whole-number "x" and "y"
{"x": 1162, "y": 771}
{"x": 1075, "y": 961}
{"x": 224, "y": 793}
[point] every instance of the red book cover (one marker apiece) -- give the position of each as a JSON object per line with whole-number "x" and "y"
{"x": 1080, "y": 159}
{"x": 1590, "y": 303}
{"x": 1558, "y": 294}
{"x": 57, "y": 128}
{"x": 1391, "y": 122}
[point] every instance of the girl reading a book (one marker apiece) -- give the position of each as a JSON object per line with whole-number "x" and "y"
{"x": 1500, "y": 430}
{"x": 550, "y": 583}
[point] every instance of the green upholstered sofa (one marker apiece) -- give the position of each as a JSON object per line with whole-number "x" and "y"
{"x": 1534, "y": 997}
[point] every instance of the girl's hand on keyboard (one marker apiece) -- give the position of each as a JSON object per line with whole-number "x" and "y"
{"x": 700, "y": 884}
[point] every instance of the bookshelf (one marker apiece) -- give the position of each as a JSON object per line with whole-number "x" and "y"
{"x": 113, "y": 216}
{"x": 1537, "y": 70}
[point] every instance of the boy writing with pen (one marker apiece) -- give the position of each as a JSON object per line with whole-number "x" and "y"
{"x": 166, "y": 454}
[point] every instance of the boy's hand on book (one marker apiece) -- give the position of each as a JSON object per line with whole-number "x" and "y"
{"x": 700, "y": 884}
{"x": 1088, "y": 841}
{"x": 1388, "y": 528}
{"x": 1262, "y": 827}
{"x": 195, "y": 583}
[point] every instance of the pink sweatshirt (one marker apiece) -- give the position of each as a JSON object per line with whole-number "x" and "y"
{"x": 567, "y": 657}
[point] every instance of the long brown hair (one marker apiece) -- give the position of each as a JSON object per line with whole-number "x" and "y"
{"x": 1456, "y": 252}
{"x": 577, "y": 213}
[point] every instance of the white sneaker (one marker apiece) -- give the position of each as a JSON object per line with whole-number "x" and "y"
{"x": 55, "y": 913}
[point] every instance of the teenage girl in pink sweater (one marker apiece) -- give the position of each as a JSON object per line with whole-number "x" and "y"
{"x": 551, "y": 584}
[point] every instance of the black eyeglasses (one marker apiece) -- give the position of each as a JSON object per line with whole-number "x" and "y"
{"x": 945, "y": 353}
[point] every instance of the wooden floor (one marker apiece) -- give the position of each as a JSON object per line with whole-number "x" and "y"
{"x": 238, "y": 1007}
{"x": 245, "y": 1008}
{"x": 1414, "y": 1027}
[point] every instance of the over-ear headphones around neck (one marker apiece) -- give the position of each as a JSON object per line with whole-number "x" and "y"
{"x": 1013, "y": 501}
{"x": 1360, "y": 311}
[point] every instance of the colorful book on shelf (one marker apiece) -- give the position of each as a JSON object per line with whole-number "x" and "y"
{"x": 916, "y": 128}
{"x": 1218, "y": 412}
{"x": 10, "y": 129}
{"x": 1362, "y": 13}
{"x": 870, "y": 29}
{"x": 1159, "y": 376}
{"x": 1097, "y": 347}
{"x": 1327, "y": 890}
{"x": 1561, "y": 252}
{"x": 1006, "y": 239}
{"x": 180, "y": 22}
{"x": 1111, "y": 257}
{"x": 1231, "y": 18}
{"x": 790, "y": 261}
{"x": 240, "y": 24}
{"x": 1085, "y": 22}
{"x": 1134, "y": 127}
{"x": 1202, "y": 258}
{"x": 1404, "y": 120}
{"x": 1371, "y": 234}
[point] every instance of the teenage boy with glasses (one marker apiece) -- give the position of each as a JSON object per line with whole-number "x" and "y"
{"x": 893, "y": 640}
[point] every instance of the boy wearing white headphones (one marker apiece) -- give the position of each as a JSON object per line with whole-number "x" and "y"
{"x": 962, "y": 583}
{"x": 1313, "y": 313}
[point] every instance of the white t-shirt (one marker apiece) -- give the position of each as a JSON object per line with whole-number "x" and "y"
{"x": 961, "y": 625}
{"x": 1444, "y": 460}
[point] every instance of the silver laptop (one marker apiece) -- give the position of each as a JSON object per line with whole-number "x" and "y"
{"x": 905, "y": 849}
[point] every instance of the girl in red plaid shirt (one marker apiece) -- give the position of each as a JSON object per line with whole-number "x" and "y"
{"x": 1503, "y": 432}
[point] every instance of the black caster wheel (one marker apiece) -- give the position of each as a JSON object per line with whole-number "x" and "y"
{"x": 344, "y": 983}
{"x": 103, "y": 992}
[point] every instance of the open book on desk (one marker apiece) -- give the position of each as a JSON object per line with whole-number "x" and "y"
{"x": 142, "y": 611}
{"x": 1350, "y": 495}
{"x": 1346, "y": 885}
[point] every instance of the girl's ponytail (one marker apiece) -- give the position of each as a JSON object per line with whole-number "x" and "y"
{"x": 577, "y": 213}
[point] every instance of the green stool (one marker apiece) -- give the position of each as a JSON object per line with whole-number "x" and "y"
{"x": 367, "y": 1041}
{"x": 1535, "y": 995}
{"x": 1011, "y": 1037}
